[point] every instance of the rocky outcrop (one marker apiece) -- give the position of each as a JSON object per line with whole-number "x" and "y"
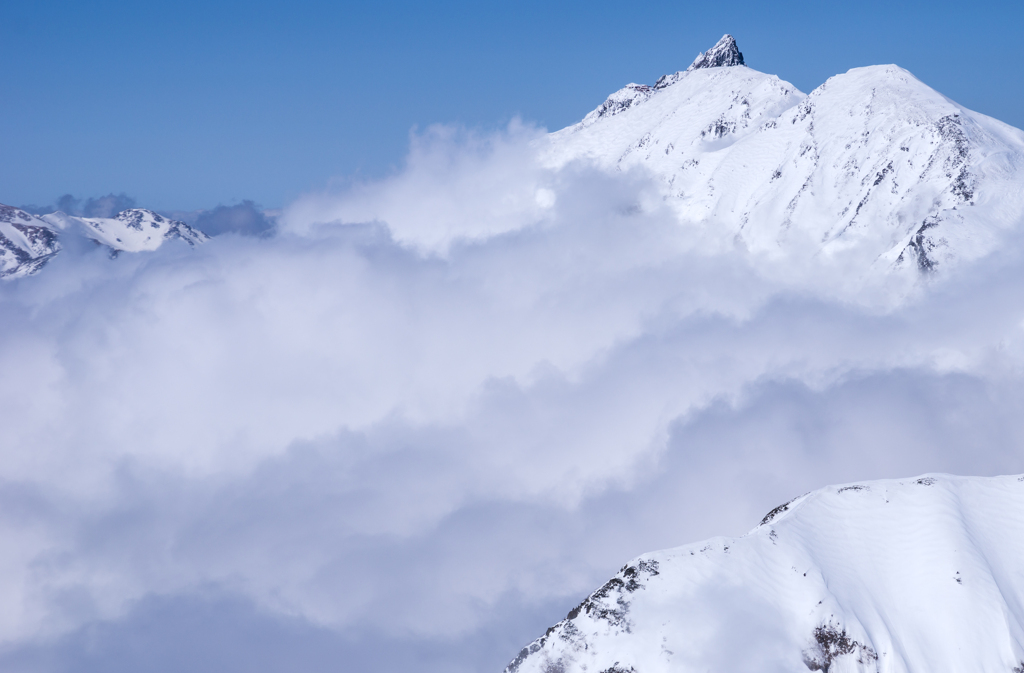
{"x": 724, "y": 53}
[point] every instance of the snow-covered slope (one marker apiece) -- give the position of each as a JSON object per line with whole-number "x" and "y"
{"x": 134, "y": 230}
{"x": 27, "y": 243}
{"x": 873, "y": 168}
{"x": 924, "y": 575}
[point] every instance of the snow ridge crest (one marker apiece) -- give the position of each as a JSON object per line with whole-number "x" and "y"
{"x": 822, "y": 586}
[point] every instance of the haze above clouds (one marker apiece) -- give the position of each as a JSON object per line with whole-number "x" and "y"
{"x": 419, "y": 420}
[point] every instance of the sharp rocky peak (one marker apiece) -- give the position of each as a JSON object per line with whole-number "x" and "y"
{"x": 725, "y": 53}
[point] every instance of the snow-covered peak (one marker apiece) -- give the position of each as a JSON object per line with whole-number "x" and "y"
{"x": 873, "y": 172}
{"x": 920, "y": 575}
{"x": 724, "y": 53}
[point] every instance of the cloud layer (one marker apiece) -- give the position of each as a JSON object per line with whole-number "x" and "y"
{"x": 445, "y": 405}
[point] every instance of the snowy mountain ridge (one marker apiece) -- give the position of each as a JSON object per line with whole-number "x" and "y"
{"x": 28, "y": 242}
{"x": 919, "y": 575}
{"x": 133, "y": 230}
{"x": 873, "y": 169}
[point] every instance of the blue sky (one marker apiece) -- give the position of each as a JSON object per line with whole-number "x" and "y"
{"x": 193, "y": 104}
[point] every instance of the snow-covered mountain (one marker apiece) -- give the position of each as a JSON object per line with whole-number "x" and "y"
{"x": 28, "y": 242}
{"x": 923, "y": 575}
{"x": 872, "y": 168}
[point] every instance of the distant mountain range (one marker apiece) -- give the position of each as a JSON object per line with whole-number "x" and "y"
{"x": 28, "y": 242}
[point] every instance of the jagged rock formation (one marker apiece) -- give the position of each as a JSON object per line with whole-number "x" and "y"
{"x": 914, "y": 576}
{"x": 724, "y": 53}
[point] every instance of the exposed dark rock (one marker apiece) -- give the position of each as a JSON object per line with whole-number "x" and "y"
{"x": 829, "y": 644}
{"x": 777, "y": 511}
{"x": 921, "y": 244}
{"x": 951, "y": 129}
{"x": 718, "y": 129}
{"x": 725, "y": 53}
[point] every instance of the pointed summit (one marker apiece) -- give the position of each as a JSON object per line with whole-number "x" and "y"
{"x": 722, "y": 54}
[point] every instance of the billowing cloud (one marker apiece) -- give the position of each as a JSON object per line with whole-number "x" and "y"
{"x": 446, "y": 404}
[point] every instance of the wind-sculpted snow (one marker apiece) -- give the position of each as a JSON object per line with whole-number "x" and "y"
{"x": 915, "y": 576}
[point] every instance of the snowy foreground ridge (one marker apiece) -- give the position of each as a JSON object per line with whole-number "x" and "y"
{"x": 872, "y": 170}
{"x": 923, "y": 575}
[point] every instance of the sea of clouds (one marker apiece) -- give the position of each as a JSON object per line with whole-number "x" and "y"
{"x": 421, "y": 418}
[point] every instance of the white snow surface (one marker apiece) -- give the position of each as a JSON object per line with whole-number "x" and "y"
{"x": 872, "y": 170}
{"x": 922, "y": 575}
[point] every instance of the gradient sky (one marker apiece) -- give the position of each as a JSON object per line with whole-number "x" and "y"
{"x": 192, "y": 104}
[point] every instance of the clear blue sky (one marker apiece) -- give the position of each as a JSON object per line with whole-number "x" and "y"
{"x": 190, "y": 104}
